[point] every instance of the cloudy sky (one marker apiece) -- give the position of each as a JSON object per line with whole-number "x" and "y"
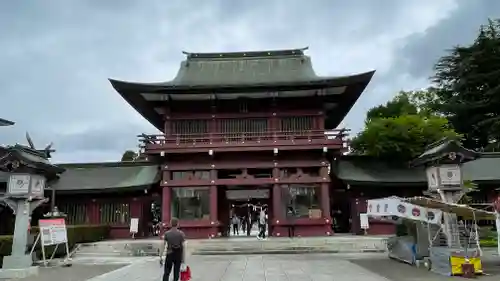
{"x": 56, "y": 56}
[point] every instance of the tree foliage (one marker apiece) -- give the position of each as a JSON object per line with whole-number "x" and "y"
{"x": 129, "y": 156}
{"x": 401, "y": 129}
{"x": 400, "y": 105}
{"x": 467, "y": 82}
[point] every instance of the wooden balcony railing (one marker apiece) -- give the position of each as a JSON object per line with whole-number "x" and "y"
{"x": 239, "y": 138}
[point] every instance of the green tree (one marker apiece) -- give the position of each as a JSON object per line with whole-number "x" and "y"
{"x": 129, "y": 156}
{"x": 399, "y": 105}
{"x": 401, "y": 129}
{"x": 467, "y": 82}
{"x": 400, "y": 138}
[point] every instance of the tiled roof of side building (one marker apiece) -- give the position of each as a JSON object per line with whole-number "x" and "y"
{"x": 107, "y": 176}
{"x": 356, "y": 169}
{"x": 371, "y": 171}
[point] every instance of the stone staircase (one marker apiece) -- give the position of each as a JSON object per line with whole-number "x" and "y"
{"x": 127, "y": 249}
{"x": 274, "y": 245}
{"x": 121, "y": 248}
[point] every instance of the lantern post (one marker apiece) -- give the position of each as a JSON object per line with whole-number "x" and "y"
{"x": 443, "y": 162}
{"x": 29, "y": 170}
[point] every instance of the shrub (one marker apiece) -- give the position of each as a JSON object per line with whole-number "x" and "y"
{"x": 76, "y": 234}
{"x": 488, "y": 243}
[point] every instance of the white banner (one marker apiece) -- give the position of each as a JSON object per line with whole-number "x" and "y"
{"x": 394, "y": 206}
{"x": 134, "y": 225}
{"x": 363, "y": 221}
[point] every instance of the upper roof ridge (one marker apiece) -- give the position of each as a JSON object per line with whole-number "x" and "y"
{"x": 247, "y": 54}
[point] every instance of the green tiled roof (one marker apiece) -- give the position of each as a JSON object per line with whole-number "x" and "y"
{"x": 245, "y": 68}
{"x": 484, "y": 169}
{"x": 367, "y": 170}
{"x": 99, "y": 176}
{"x": 244, "y": 74}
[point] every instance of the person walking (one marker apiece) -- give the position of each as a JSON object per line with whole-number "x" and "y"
{"x": 262, "y": 224}
{"x": 174, "y": 248}
{"x": 235, "y": 221}
{"x": 244, "y": 224}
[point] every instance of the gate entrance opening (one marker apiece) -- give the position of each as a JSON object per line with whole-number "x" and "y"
{"x": 240, "y": 208}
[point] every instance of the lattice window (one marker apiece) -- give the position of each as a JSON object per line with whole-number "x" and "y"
{"x": 297, "y": 123}
{"x": 76, "y": 212}
{"x": 114, "y": 213}
{"x": 194, "y": 126}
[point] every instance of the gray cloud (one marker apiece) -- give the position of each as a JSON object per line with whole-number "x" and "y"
{"x": 56, "y": 56}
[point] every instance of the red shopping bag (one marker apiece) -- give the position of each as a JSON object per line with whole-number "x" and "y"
{"x": 186, "y": 274}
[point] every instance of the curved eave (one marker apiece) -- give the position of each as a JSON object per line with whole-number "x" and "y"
{"x": 4, "y": 122}
{"x": 139, "y": 104}
{"x": 355, "y": 85}
{"x": 171, "y": 87}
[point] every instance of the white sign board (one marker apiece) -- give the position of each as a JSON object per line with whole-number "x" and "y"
{"x": 19, "y": 184}
{"x": 134, "y": 225}
{"x": 394, "y": 206}
{"x": 26, "y": 184}
{"x": 450, "y": 175}
{"x": 363, "y": 220}
{"x": 53, "y": 231}
{"x": 37, "y": 185}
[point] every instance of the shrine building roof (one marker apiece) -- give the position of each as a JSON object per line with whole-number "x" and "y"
{"x": 255, "y": 75}
{"x": 365, "y": 170}
{"x": 102, "y": 177}
{"x": 98, "y": 177}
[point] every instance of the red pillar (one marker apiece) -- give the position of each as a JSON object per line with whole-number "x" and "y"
{"x": 277, "y": 208}
{"x": 213, "y": 204}
{"x": 325, "y": 200}
{"x": 277, "y": 205}
{"x": 166, "y": 205}
{"x": 93, "y": 212}
{"x": 136, "y": 209}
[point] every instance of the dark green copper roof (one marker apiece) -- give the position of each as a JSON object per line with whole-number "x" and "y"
{"x": 364, "y": 170}
{"x": 243, "y": 72}
{"x": 29, "y": 158}
{"x": 440, "y": 152}
{"x": 107, "y": 176}
{"x": 4, "y": 122}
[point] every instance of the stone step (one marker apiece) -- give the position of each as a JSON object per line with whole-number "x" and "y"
{"x": 295, "y": 245}
{"x": 245, "y": 245}
{"x": 124, "y": 248}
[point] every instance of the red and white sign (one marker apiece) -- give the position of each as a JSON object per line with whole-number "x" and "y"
{"x": 53, "y": 231}
{"x": 395, "y": 206}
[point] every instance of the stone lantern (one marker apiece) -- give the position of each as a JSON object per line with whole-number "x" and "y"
{"x": 443, "y": 162}
{"x": 29, "y": 171}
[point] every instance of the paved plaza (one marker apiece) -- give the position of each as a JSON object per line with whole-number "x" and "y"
{"x": 312, "y": 267}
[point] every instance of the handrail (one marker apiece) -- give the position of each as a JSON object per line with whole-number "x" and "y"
{"x": 243, "y": 136}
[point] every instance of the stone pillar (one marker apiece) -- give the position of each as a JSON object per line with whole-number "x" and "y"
{"x": 18, "y": 258}
{"x": 20, "y": 238}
